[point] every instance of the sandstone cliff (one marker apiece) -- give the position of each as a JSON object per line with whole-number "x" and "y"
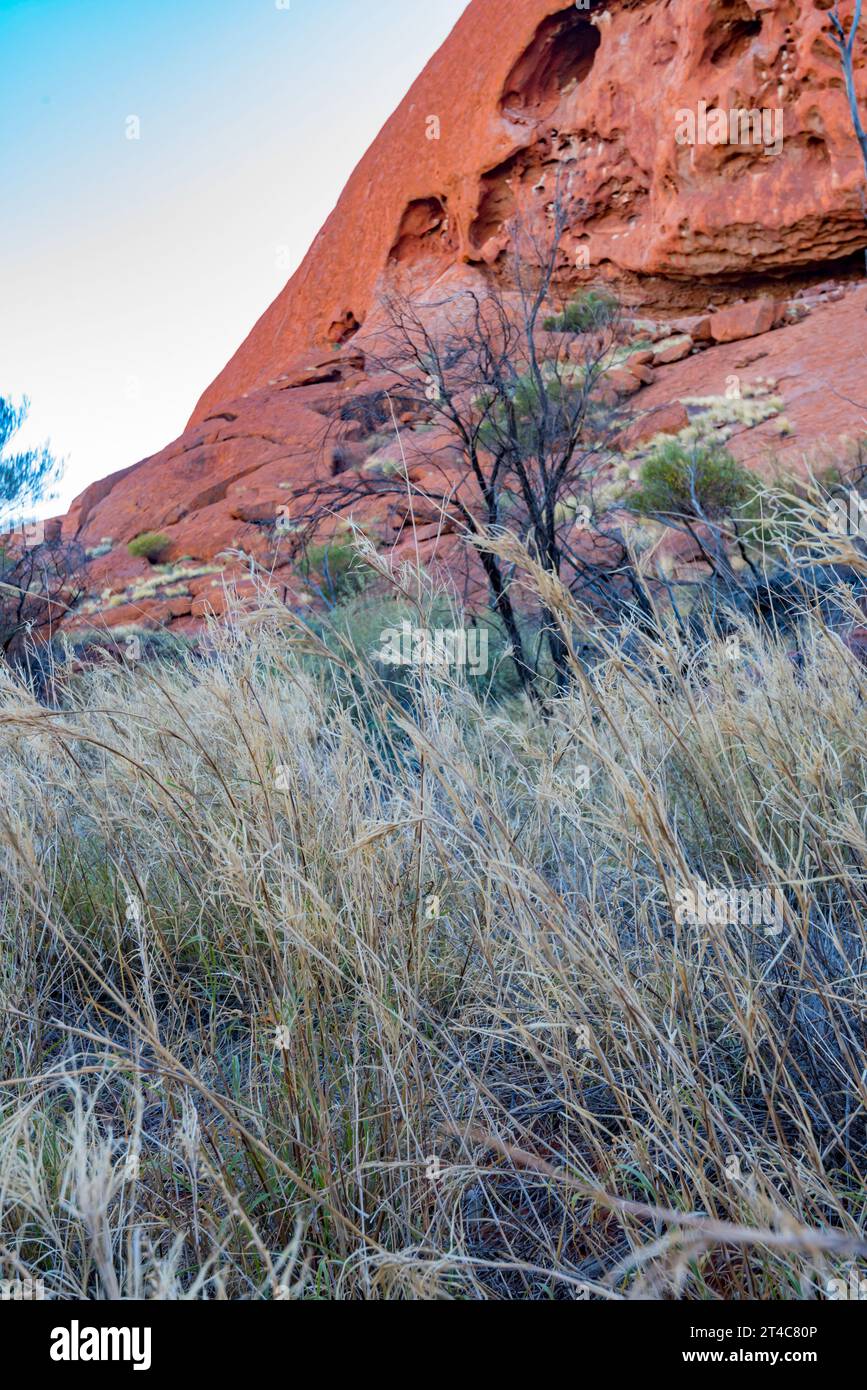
{"x": 523, "y": 95}
{"x": 522, "y": 87}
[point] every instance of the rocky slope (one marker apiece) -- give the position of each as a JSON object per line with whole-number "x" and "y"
{"x": 524, "y": 96}
{"x": 524, "y": 87}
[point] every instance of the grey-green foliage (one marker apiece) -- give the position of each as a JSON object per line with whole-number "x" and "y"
{"x": 26, "y": 475}
{"x": 680, "y": 480}
{"x": 589, "y": 311}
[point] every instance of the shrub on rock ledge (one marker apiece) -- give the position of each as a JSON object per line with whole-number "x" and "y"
{"x": 588, "y": 311}
{"x": 148, "y": 546}
{"x": 677, "y": 480}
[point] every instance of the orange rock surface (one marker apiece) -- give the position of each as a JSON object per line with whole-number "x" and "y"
{"x": 525, "y": 97}
{"x": 524, "y": 88}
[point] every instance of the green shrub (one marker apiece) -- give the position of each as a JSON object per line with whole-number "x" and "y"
{"x": 557, "y": 400}
{"x": 334, "y": 571}
{"x": 161, "y": 644}
{"x": 676, "y": 476}
{"x": 588, "y": 311}
{"x": 364, "y": 620}
{"x": 148, "y": 546}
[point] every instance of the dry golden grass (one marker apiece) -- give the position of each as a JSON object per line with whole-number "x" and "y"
{"x": 314, "y": 991}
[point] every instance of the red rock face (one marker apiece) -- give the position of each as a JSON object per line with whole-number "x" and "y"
{"x": 527, "y": 97}
{"x": 746, "y": 320}
{"x": 525, "y": 89}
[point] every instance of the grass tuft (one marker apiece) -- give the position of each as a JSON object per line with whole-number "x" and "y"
{"x": 314, "y": 987}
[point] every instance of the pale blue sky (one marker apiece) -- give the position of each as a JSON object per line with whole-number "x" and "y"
{"x": 130, "y": 270}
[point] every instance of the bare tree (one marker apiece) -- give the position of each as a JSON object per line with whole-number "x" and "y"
{"x": 526, "y": 423}
{"x": 39, "y": 583}
{"x": 845, "y": 43}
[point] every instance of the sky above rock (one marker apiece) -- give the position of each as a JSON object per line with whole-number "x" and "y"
{"x": 165, "y": 168}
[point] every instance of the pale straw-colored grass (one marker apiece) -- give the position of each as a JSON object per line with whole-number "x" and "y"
{"x": 503, "y": 1069}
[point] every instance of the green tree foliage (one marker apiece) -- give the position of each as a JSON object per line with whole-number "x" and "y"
{"x": 25, "y": 475}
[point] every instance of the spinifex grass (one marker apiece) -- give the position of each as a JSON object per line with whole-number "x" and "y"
{"x": 310, "y": 990}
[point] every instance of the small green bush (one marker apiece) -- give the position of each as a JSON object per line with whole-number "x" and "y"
{"x": 674, "y": 471}
{"x": 557, "y": 399}
{"x": 334, "y": 570}
{"x": 588, "y": 311}
{"x": 88, "y": 644}
{"x": 148, "y": 546}
{"x": 364, "y": 619}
